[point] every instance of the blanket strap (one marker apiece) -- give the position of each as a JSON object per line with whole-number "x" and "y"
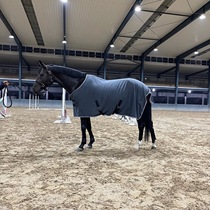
{"x": 117, "y": 107}
{"x": 115, "y": 111}
{"x": 98, "y": 107}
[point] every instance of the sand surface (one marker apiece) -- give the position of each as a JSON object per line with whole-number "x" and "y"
{"x": 40, "y": 169}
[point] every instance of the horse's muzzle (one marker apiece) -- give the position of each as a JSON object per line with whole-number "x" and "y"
{"x": 37, "y": 90}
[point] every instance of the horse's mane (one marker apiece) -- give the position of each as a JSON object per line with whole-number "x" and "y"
{"x": 66, "y": 71}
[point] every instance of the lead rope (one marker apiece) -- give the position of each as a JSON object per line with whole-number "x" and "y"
{"x": 10, "y": 99}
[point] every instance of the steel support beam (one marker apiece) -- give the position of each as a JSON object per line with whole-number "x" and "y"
{"x": 201, "y": 53}
{"x": 198, "y": 72}
{"x": 176, "y": 83}
{"x": 165, "y": 13}
{"x": 64, "y": 64}
{"x": 64, "y": 34}
{"x": 20, "y": 75}
{"x": 31, "y": 15}
{"x": 208, "y": 97}
{"x": 166, "y": 71}
{"x": 148, "y": 23}
{"x": 12, "y": 32}
{"x": 142, "y": 69}
{"x": 182, "y": 25}
{"x": 131, "y": 71}
{"x": 104, "y": 69}
{"x": 121, "y": 27}
{"x": 192, "y": 50}
{"x": 144, "y": 38}
{"x": 10, "y": 29}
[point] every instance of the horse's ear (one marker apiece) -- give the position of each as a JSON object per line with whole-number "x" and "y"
{"x": 41, "y": 64}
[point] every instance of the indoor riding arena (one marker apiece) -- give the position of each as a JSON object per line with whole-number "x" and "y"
{"x": 49, "y": 50}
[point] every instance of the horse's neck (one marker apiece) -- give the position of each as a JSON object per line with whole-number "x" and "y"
{"x": 67, "y": 82}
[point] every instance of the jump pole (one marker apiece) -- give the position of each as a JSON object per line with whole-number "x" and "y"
{"x": 64, "y": 118}
{"x": 29, "y": 102}
{"x": 36, "y": 102}
{"x": 63, "y": 104}
{"x": 33, "y": 102}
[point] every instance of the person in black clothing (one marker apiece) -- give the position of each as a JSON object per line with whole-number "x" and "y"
{"x": 4, "y": 84}
{"x": 145, "y": 122}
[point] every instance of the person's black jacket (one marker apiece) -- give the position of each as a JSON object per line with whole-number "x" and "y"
{"x": 2, "y": 86}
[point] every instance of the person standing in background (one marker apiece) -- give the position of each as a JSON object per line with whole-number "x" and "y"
{"x": 3, "y": 84}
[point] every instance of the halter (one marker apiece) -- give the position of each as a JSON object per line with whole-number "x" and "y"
{"x": 50, "y": 77}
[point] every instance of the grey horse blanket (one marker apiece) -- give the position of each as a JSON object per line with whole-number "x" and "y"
{"x": 97, "y": 96}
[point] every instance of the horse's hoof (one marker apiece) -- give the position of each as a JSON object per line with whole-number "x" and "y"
{"x": 153, "y": 147}
{"x": 89, "y": 146}
{"x": 79, "y": 149}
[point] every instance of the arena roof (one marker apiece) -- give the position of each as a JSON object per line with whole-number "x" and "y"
{"x": 90, "y": 27}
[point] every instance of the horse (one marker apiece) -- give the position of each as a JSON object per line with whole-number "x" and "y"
{"x": 93, "y": 96}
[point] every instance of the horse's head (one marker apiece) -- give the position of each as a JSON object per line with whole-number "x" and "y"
{"x": 44, "y": 79}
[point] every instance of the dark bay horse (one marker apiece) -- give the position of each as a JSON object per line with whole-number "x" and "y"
{"x": 92, "y": 96}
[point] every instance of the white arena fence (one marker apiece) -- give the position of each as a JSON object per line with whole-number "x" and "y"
{"x": 56, "y": 104}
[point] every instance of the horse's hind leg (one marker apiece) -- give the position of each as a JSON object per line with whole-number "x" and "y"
{"x": 153, "y": 136}
{"x": 141, "y": 126}
{"x": 90, "y": 133}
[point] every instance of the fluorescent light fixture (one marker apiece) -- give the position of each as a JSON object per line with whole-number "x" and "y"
{"x": 196, "y": 52}
{"x": 156, "y": 49}
{"x": 64, "y": 41}
{"x": 111, "y": 45}
{"x": 189, "y": 91}
{"x": 138, "y": 8}
{"x": 64, "y": 1}
{"x": 11, "y": 36}
{"x": 203, "y": 16}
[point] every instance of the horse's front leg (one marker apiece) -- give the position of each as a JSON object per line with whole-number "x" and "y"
{"x": 90, "y": 133}
{"x": 83, "y": 129}
{"x": 86, "y": 124}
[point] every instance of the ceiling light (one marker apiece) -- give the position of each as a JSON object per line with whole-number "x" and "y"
{"x": 196, "y": 52}
{"x": 11, "y": 36}
{"x": 111, "y": 45}
{"x": 138, "y": 8}
{"x": 155, "y": 49}
{"x": 203, "y": 16}
{"x": 64, "y": 41}
{"x": 64, "y": 1}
